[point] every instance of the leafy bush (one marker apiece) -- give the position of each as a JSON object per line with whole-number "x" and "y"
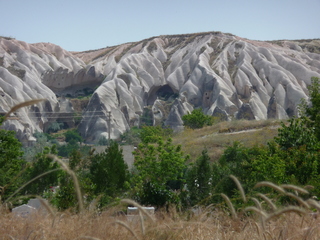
{"x": 66, "y": 150}
{"x": 40, "y": 165}
{"x": 73, "y": 135}
{"x": 197, "y": 119}
{"x": 131, "y": 137}
{"x": 103, "y": 141}
{"x": 297, "y": 134}
{"x": 157, "y": 165}
{"x": 54, "y": 127}
{"x": 42, "y": 140}
{"x": 151, "y": 134}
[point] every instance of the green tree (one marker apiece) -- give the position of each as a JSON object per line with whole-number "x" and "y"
{"x": 109, "y": 172}
{"x": 299, "y": 141}
{"x": 42, "y": 141}
{"x": 304, "y": 130}
{"x": 65, "y": 197}
{"x": 73, "y": 135}
{"x": 54, "y": 127}
{"x": 11, "y": 162}
{"x": 157, "y": 166}
{"x": 40, "y": 165}
{"x": 151, "y": 134}
{"x": 66, "y": 150}
{"x": 197, "y": 119}
{"x": 199, "y": 179}
{"x": 247, "y": 164}
{"x": 132, "y": 136}
{"x": 268, "y": 165}
{"x": 312, "y": 111}
{"x": 297, "y": 134}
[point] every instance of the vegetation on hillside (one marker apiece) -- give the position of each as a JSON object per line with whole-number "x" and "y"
{"x": 197, "y": 119}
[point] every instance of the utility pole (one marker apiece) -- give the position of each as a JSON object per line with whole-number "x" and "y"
{"x": 109, "y": 126}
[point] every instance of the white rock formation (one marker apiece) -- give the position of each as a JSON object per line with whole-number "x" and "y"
{"x": 223, "y": 74}
{"x": 156, "y": 80}
{"x": 24, "y": 73}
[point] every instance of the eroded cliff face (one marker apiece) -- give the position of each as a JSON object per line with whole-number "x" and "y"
{"x": 34, "y": 71}
{"x": 158, "y": 80}
{"x": 225, "y": 75}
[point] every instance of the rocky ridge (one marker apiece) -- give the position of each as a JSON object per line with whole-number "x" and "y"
{"x": 157, "y": 81}
{"x": 42, "y": 70}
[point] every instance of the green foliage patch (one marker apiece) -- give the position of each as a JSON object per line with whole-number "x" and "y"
{"x": 197, "y": 119}
{"x": 157, "y": 165}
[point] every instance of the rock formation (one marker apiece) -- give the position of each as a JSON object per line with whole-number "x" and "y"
{"x": 225, "y": 75}
{"x": 33, "y": 71}
{"x": 156, "y": 81}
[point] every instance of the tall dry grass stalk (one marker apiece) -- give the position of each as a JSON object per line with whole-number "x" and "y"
{"x": 268, "y": 201}
{"x": 257, "y": 203}
{"x": 257, "y": 210}
{"x": 271, "y": 185}
{"x": 299, "y": 200}
{"x": 295, "y": 188}
{"x": 27, "y": 183}
{"x": 313, "y": 203}
{"x": 230, "y": 205}
{"x": 140, "y": 208}
{"x": 21, "y": 105}
{"x": 87, "y": 237}
{"x": 128, "y": 228}
{"x": 289, "y": 209}
{"x": 243, "y": 195}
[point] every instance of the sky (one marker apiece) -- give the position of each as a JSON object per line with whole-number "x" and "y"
{"x": 92, "y": 24}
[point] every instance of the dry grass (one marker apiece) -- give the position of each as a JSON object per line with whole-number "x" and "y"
{"x": 286, "y": 222}
{"x": 219, "y": 136}
{"x": 211, "y": 224}
{"x": 21, "y": 105}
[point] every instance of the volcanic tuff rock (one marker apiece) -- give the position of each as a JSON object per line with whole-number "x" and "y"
{"x": 158, "y": 80}
{"x": 33, "y": 71}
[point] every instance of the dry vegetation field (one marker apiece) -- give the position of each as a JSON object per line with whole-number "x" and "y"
{"x": 221, "y": 135}
{"x": 210, "y": 224}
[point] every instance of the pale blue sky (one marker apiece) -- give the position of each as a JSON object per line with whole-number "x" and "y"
{"x": 92, "y": 24}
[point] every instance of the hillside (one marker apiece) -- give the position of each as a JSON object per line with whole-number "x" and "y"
{"x": 155, "y": 81}
{"x": 215, "y": 139}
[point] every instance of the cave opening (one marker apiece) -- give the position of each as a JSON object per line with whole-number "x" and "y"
{"x": 164, "y": 93}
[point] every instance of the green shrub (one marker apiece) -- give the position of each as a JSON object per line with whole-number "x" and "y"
{"x": 41, "y": 164}
{"x": 103, "y": 141}
{"x": 54, "y": 127}
{"x": 197, "y": 119}
{"x": 151, "y": 134}
{"x": 157, "y": 166}
{"x": 131, "y": 137}
{"x": 73, "y": 135}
